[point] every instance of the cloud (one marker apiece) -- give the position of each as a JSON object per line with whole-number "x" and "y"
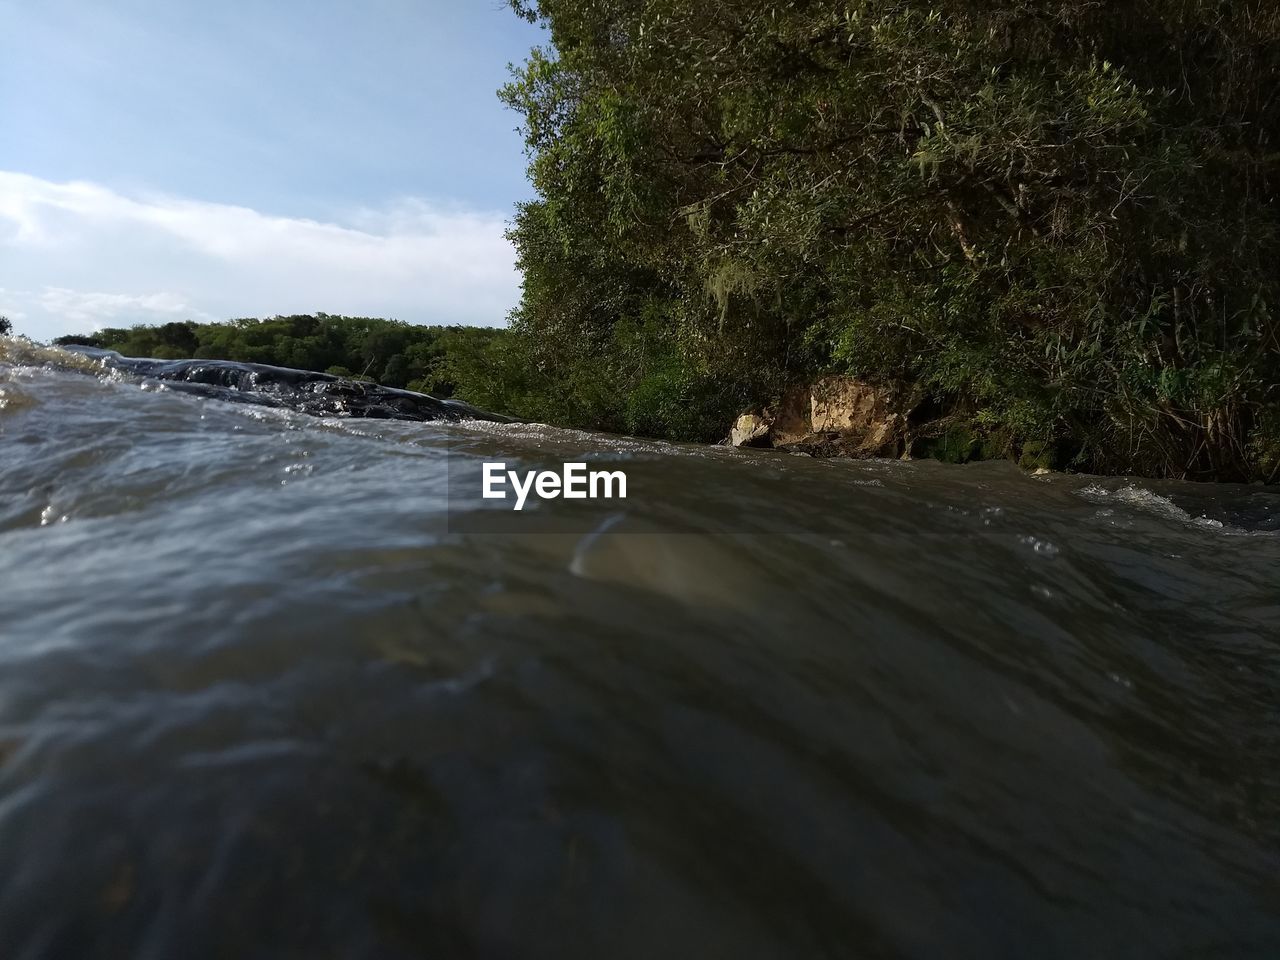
{"x": 78, "y": 255}
{"x": 81, "y": 308}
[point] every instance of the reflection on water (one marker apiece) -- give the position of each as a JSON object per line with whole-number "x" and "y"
{"x": 256, "y": 699}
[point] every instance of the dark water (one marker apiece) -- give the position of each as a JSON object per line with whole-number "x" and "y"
{"x": 259, "y": 698}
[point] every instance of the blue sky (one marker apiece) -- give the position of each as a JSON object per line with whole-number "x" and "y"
{"x": 166, "y": 159}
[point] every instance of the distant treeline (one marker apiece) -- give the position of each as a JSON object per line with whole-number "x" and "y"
{"x": 425, "y": 359}
{"x": 1058, "y": 219}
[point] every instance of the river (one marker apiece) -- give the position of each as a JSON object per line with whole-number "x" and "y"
{"x": 276, "y": 685}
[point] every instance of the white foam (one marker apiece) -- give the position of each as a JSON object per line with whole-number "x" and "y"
{"x": 1156, "y": 505}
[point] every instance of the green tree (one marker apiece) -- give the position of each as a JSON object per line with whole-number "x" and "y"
{"x": 1059, "y": 218}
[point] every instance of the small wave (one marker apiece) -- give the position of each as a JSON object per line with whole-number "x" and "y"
{"x": 13, "y": 398}
{"x": 1156, "y": 505}
{"x": 20, "y": 352}
{"x": 317, "y": 394}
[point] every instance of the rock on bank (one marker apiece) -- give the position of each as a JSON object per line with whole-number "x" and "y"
{"x": 832, "y": 416}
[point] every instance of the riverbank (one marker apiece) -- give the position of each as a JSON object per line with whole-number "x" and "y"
{"x": 828, "y": 416}
{"x": 1056, "y": 220}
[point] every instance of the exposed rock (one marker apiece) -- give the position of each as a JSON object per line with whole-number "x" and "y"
{"x": 833, "y": 416}
{"x": 318, "y": 394}
{"x": 749, "y": 430}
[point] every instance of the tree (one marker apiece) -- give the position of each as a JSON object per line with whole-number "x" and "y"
{"x": 1058, "y": 218}
{"x": 6, "y": 326}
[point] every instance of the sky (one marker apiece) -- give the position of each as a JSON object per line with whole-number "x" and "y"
{"x": 165, "y": 160}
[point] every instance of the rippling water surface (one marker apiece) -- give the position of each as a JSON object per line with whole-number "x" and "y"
{"x": 260, "y": 698}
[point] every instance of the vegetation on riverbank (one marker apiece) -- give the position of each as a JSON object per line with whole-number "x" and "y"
{"x": 1057, "y": 218}
{"x": 425, "y": 359}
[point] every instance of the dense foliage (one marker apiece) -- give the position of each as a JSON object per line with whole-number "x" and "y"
{"x": 392, "y": 353}
{"x": 1056, "y": 217}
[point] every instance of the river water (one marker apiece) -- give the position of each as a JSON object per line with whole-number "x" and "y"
{"x": 268, "y": 690}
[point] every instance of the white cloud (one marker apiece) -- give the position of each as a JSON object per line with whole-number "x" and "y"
{"x": 78, "y": 255}
{"x": 80, "y": 308}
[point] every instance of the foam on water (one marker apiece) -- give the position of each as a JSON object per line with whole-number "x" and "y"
{"x": 1154, "y": 504}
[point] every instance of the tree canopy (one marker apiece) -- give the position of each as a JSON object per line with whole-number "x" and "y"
{"x": 1057, "y": 218}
